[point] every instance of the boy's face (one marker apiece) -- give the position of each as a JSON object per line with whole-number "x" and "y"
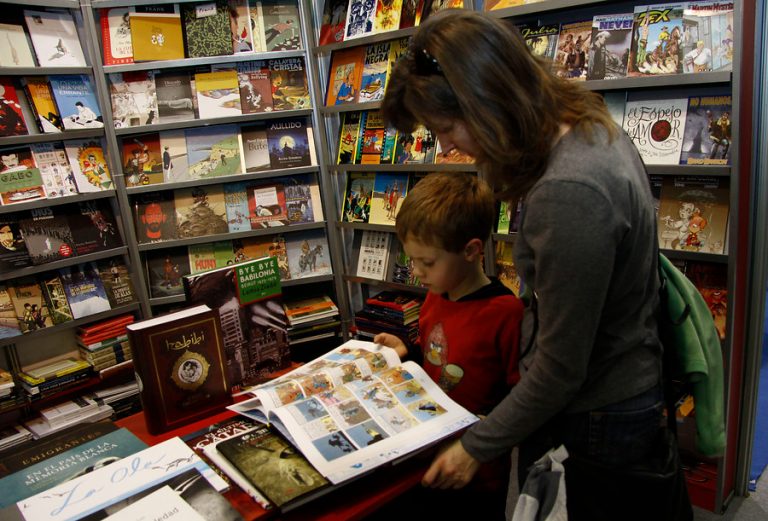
{"x": 439, "y": 270}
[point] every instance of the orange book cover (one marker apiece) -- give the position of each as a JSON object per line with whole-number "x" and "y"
{"x": 346, "y": 73}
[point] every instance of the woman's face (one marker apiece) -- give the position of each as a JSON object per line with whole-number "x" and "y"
{"x": 455, "y": 135}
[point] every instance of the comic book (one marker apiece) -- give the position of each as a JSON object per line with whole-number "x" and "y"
{"x": 200, "y": 211}
{"x": 134, "y": 98}
{"x": 707, "y": 43}
{"x": 609, "y": 48}
{"x": 707, "y": 137}
{"x": 357, "y": 197}
{"x": 656, "y": 46}
{"x": 656, "y": 128}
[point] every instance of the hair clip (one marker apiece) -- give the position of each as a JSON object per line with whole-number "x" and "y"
{"x": 426, "y": 64}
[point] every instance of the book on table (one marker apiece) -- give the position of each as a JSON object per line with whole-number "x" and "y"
{"x": 354, "y": 409}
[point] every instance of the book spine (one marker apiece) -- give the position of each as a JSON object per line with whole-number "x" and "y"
{"x": 55, "y": 385}
{"x": 93, "y": 346}
{"x": 105, "y": 325}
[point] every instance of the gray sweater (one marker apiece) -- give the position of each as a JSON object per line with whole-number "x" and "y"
{"x": 586, "y": 248}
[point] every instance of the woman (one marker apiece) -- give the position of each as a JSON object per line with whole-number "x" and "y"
{"x": 585, "y": 247}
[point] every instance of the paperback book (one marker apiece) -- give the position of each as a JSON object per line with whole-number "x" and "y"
{"x": 415, "y": 147}
{"x": 236, "y": 204}
{"x": 47, "y": 235}
{"x": 389, "y": 191}
{"x": 40, "y": 96}
{"x": 266, "y": 205}
{"x": 373, "y": 255}
{"x": 657, "y": 129}
{"x": 134, "y": 98}
{"x": 609, "y": 52}
{"x": 289, "y": 144}
{"x": 333, "y": 22}
{"x": 174, "y": 155}
{"x": 13, "y": 250}
{"x": 255, "y": 148}
{"x": 387, "y": 16}
{"x": 255, "y": 87}
{"x": 20, "y": 179}
{"x": 93, "y": 226}
{"x": 116, "y": 35}
{"x": 142, "y": 160}
{"x": 206, "y": 29}
{"x": 373, "y": 147}
{"x": 709, "y": 42}
{"x": 707, "y": 137}
{"x": 9, "y": 327}
{"x": 361, "y": 16}
{"x": 156, "y": 32}
{"x": 349, "y": 132}
{"x": 174, "y": 96}
{"x": 657, "y": 35}
{"x": 302, "y": 199}
{"x": 308, "y": 254}
{"x": 84, "y": 289}
{"x": 55, "y": 170}
{"x": 154, "y": 217}
{"x": 573, "y": 46}
{"x": 200, "y": 211}
{"x": 375, "y": 68}
{"x": 541, "y": 39}
{"x": 14, "y": 48}
{"x": 117, "y": 282}
{"x": 290, "y": 90}
{"x": 218, "y": 94}
{"x": 282, "y": 25}
{"x": 253, "y": 248}
{"x": 346, "y": 71}
{"x": 29, "y": 305}
{"x": 76, "y": 101}
{"x": 54, "y": 37}
{"x": 213, "y": 151}
{"x": 11, "y": 119}
{"x": 165, "y": 269}
{"x": 357, "y": 198}
{"x": 89, "y": 165}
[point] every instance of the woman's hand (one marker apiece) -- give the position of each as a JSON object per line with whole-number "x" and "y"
{"x": 453, "y": 467}
{"x": 392, "y": 341}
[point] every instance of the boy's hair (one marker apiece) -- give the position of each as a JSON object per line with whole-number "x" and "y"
{"x": 447, "y": 211}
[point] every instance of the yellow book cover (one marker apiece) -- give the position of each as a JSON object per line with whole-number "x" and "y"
{"x": 41, "y": 96}
{"x": 218, "y": 94}
{"x": 156, "y": 33}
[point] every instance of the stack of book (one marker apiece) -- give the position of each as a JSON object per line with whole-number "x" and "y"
{"x": 53, "y": 374}
{"x": 104, "y": 345}
{"x": 124, "y": 398}
{"x": 14, "y": 435}
{"x": 389, "y": 312}
{"x": 7, "y": 384}
{"x": 311, "y": 319}
{"x": 72, "y": 412}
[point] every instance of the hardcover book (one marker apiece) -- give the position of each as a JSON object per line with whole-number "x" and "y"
{"x": 174, "y": 96}
{"x": 93, "y": 226}
{"x": 290, "y": 90}
{"x": 89, "y": 165}
{"x": 282, "y": 25}
{"x": 609, "y": 52}
{"x": 573, "y": 46}
{"x": 213, "y": 151}
{"x": 308, "y": 254}
{"x": 13, "y": 250}
{"x": 375, "y": 68}
{"x": 165, "y": 269}
{"x": 55, "y": 170}
{"x": 156, "y": 32}
{"x": 373, "y": 255}
{"x": 252, "y": 248}
{"x": 240, "y": 26}
{"x": 355, "y": 408}
{"x": 707, "y": 137}
{"x": 40, "y": 96}
{"x": 373, "y": 134}
{"x": 142, "y": 160}
{"x": 54, "y": 37}
{"x": 345, "y": 76}
{"x": 266, "y": 205}
{"x": 20, "y": 179}
{"x": 218, "y": 94}
{"x": 288, "y": 143}
{"x": 255, "y": 148}
{"x": 361, "y": 15}
{"x": 180, "y": 360}
{"x": 387, "y": 16}
{"x": 116, "y": 35}
{"x": 657, "y": 35}
{"x": 255, "y": 87}
{"x": 76, "y": 101}
{"x": 174, "y": 154}
{"x": 333, "y": 22}
{"x": 29, "y": 305}
{"x": 657, "y": 129}
{"x": 117, "y": 282}
{"x": 389, "y": 190}
{"x": 416, "y": 147}
{"x": 200, "y": 211}
{"x": 14, "y": 48}
{"x": 154, "y": 217}
{"x": 134, "y": 99}
{"x": 11, "y": 118}
{"x": 709, "y": 42}
{"x": 349, "y": 132}
{"x": 357, "y": 197}
{"x": 206, "y": 29}
{"x": 47, "y": 235}
{"x": 244, "y": 295}
{"x": 84, "y": 289}
{"x": 236, "y": 204}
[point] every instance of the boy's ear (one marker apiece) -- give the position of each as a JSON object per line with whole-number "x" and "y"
{"x": 473, "y": 249}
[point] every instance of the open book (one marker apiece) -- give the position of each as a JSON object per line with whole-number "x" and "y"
{"x": 356, "y": 408}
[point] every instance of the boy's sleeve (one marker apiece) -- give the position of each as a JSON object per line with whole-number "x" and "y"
{"x": 508, "y": 341}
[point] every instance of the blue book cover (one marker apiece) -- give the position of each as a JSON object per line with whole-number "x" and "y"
{"x": 85, "y": 291}
{"x": 67, "y": 465}
{"x": 236, "y": 203}
{"x": 76, "y": 100}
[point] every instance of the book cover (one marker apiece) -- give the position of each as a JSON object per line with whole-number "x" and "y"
{"x": 134, "y": 98}
{"x": 174, "y": 155}
{"x": 116, "y": 35}
{"x": 387, "y": 17}
{"x": 302, "y": 199}
{"x": 541, "y": 39}
{"x": 656, "y": 40}
{"x": 256, "y": 15}
{"x": 389, "y": 191}
{"x": 372, "y": 139}
{"x": 240, "y": 26}
{"x": 47, "y": 235}
{"x": 20, "y": 179}
{"x": 206, "y": 29}
{"x": 156, "y": 32}
{"x": 11, "y": 119}
{"x": 290, "y": 89}
{"x": 154, "y": 217}
{"x": 266, "y": 205}
{"x": 174, "y": 96}
{"x": 288, "y": 143}
{"x": 373, "y": 255}
{"x": 9, "y": 327}
{"x": 255, "y": 148}
{"x": 93, "y": 226}
{"x": 85, "y": 292}
{"x": 333, "y": 22}
{"x": 117, "y": 282}
{"x": 40, "y": 96}
{"x": 13, "y": 250}
{"x": 236, "y": 203}
{"x": 14, "y": 48}
{"x": 573, "y": 44}
{"x": 349, "y": 134}
{"x": 142, "y": 160}
{"x": 255, "y": 87}
{"x": 308, "y": 254}
{"x": 201, "y": 258}
{"x": 56, "y": 173}
{"x": 251, "y": 248}
{"x": 712, "y": 282}
{"x": 165, "y": 269}
{"x": 360, "y": 18}
{"x": 89, "y": 165}
{"x": 264, "y": 457}
{"x": 609, "y": 49}
{"x": 505, "y": 267}
{"x": 213, "y": 151}
{"x": 402, "y": 268}
{"x": 218, "y": 94}
{"x": 76, "y": 101}
{"x": 657, "y": 129}
{"x": 54, "y": 37}
{"x": 416, "y": 147}
{"x": 29, "y": 304}
{"x": 375, "y": 68}
{"x": 707, "y": 136}
{"x": 345, "y": 75}
{"x": 693, "y": 214}
{"x": 247, "y": 297}
{"x": 180, "y": 360}
{"x": 357, "y": 197}
{"x": 492, "y": 5}
{"x": 707, "y": 43}
{"x": 200, "y": 211}
{"x": 282, "y": 25}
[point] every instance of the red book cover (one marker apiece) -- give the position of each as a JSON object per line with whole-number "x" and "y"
{"x": 104, "y": 325}
{"x": 11, "y": 119}
{"x": 116, "y": 35}
{"x": 266, "y": 206}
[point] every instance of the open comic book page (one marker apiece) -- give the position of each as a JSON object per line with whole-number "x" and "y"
{"x": 356, "y": 408}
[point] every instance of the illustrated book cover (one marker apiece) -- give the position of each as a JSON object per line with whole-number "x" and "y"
{"x": 401, "y": 270}
{"x": 134, "y": 98}
{"x": 373, "y": 254}
{"x": 55, "y": 38}
{"x": 116, "y": 35}
{"x": 709, "y": 42}
{"x": 288, "y": 142}
{"x": 345, "y": 75}
{"x": 361, "y": 15}
{"x": 14, "y": 48}
{"x": 156, "y": 32}
{"x": 47, "y": 235}
{"x": 117, "y": 282}
{"x": 200, "y": 211}
{"x": 213, "y": 151}
{"x": 541, "y": 39}
{"x": 251, "y": 248}
{"x": 376, "y": 143}
{"x": 657, "y": 129}
{"x": 206, "y": 29}
{"x": 11, "y": 118}
{"x": 290, "y": 90}
{"x": 173, "y": 144}
{"x": 375, "y": 68}
{"x": 89, "y": 165}
{"x": 180, "y": 360}
{"x": 9, "y": 327}
{"x": 255, "y": 87}
{"x": 387, "y": 17}
{"x": 255, "y": 147}
{"x": 154, "y": 216}
{"x": 609, "y": 49}
{"x": 40, "y": 95}
{"x": 29, "y": 304}
{"x": 282, "y": 25}
{"x": 93, "y": 226}
{"x": 573, "y": 46}
{"x": 55, "y": 170}
{"x": 357, "y": 197}
{"x": 20, "y": 178}
{"x": 302, "y": 198}
{"x": 308, "y": 254}
{"x": 76, "y": 101}
{"x": 236, "y": 204}
{"x": 240, "y": 26}
{"x": 248, "y": 299}
{"x": 218, "y": 94}
{"x": 165, "y": 269}
{"x": 389, "y": 191}
{"x": 142, "y": 160}
{"x": 415, "y": 147}
{"x": 333, "y": 22}
{"x": 657, "y": 35}
{"x": 355, "y": 408}
{"x": 707, "y": 136}
{"x": 13, "y": 250}
{"x": 84, "y": 289}
{"x": 349, "y": 131}
{"x": 174, "y": 96}
{"x": 505, "y": 267}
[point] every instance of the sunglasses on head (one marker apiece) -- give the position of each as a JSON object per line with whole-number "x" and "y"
{"x": 426, "y": 64}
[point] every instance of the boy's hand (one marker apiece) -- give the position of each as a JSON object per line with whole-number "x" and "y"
{"x": 452, "y": 468}
{"x": 392, "y": 341}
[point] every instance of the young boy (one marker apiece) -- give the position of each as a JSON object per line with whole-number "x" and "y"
{"x": 468, "y": 325}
